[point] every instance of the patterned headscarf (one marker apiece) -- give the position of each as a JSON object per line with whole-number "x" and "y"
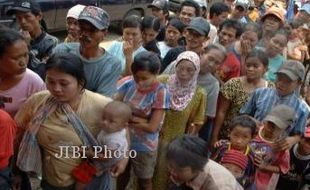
{"x": 181, "y": 95}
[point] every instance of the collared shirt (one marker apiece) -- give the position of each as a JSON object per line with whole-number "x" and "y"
{"x": 263, "y": 99}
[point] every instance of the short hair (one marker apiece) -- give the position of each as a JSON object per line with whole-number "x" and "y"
{"x": 7, "y": 38}
{"x": 259, "y": 54}
{"x": 122, "y": 109}
{"x": 151, "y": 22}
{"x": 253, "y": 27}
{"x": 146, "y": 61}
{"x": 218, "y": 8}
{"x": 68, "y": 63}
{"x": 244, "y": 121}
{"x": 216, "y": 46}
{"x": 188, "y": 151}
{"x": 191, "y": 3}
{"x": 132, "y": 21}
{"x": 231, "y": 23}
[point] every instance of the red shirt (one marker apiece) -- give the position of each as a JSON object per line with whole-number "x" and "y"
{"x": 230, "y": 68}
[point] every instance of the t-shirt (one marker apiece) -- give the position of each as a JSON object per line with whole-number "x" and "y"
{"x": 171, "y": 56}
{"x": 273, "y": 66}
{"x": 18, "y": 94}
{"x": 101, "y": 73}
{"x": 230, "y": 68}
{"x": 142, "y": 105}
{"x": 116, "y": 49}
{"x": 164, "y": 48}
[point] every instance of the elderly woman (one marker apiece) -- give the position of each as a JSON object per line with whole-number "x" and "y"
{"x": 65, "y": 115}
{"x": 186, "y": 114}
{"x": 17, "y": 82}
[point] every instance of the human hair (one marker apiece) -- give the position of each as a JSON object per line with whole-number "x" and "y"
{"x": 282, "y": 32}
{"x": 216, "y": 46}
{"x": 151, "y": 22}
{"x": 146, "y": 61}
{"x": 253, "y": 27}
{"x": 191, "y": 3}
{"x": 259, "y": 54}
{"x": 122, "y": 109}
{"x": 68, "y": 63}
{"x": 132, "y": 21}
{"x": 188, "y": 151}
{"x": 7, "y": 38}
{"x": 217, "y": 9}
{"x": 243, "y": 121}
{"x": 231, "y": 23}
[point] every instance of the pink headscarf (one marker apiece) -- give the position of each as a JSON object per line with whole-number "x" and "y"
{"x": 181, "y": 95}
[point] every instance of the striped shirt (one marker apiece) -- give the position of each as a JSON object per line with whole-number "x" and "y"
{"x": 263, "y": 99}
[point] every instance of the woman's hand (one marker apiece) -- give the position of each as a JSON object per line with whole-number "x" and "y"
{"x": 128, "y": 48}
{"x": 119, "y": 167}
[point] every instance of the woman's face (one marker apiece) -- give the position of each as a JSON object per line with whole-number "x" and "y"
{"x": 15, "y": 59}
{"x": 144, "y": 79}
{"x": 255, "y": 69}
{"x": 210, "y": 62}
{"x": 172, "y": 36}
{"x": 64, "y": 87}
{"x": 249, "y": 37}
{"x": 185, "y": 71}
{"x": 276, "y": 44}
{"x": 180, "y": 175}
{"x": 148, "y": 35}
{"x": 132, "y": 35}
{"x": 271, "y": 24}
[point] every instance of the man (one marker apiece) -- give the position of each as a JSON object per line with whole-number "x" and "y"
{"x": 160, "y": 9}
{"x": 29, "y": 15}
{"x": 73, "y": 28}
{"x": 196, "y": 34}
{"x": 102, "y": 70}
{"x": 240, "y": 10}
{"x": 189, "y": 9}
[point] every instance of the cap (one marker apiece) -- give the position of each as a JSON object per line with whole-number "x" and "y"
{"x": 235, "y": 157}
{"x": 275, "y": 11}
{"x": 245, "y": 4}
{"x": 281, "y": 115}
{"x": 24, "y": 6}
{"x": 161, "y": 4}
{"x": 96, "y": 16}
{"x": 200, "y": 25}
{"x": 307, "y": 132}
{"x": 306, "y": 8}
{"x": 178, "y": 24}
{"x": 75, "y": 11}
{"x": 293, "y": 69}
{"x": 202, "y": 3}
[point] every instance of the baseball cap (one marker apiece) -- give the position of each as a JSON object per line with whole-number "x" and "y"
{"x": 275, "y": 11}
{"x": 235, "y": 157}
{"x": 161, "y": 4}
{"x": 177, "y": 23}
{"x": 200, "y": 25}
{"x": 24, "y": 6}
{"x": 293, "y": 69}
{"x": 75, "y": 11}
{"x": 306, "y": 8}
{"x": 96, "y": 16}
{"x": 281, "y": 115}
{"x": 242, "y": 3}
{"x": 307, "y": 132}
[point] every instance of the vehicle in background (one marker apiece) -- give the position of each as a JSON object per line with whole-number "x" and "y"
{"x": 55, "y": 11}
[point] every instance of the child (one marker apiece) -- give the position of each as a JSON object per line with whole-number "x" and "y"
{"x": 148, "y": 99}
{"x": 242, "y": 131}
{"x": 269, "y": 162}
{"x": 299, "y": 174}
{"x": 150, "y": 29}
{"x": 115, "y": 118}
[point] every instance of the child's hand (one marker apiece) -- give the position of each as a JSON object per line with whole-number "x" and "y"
{"x": 219, "y": 143}
{"x": 259, "y": 162}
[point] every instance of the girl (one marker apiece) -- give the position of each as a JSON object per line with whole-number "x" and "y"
{"x": 148, "y": 100}
{"x": 150, "y": 29}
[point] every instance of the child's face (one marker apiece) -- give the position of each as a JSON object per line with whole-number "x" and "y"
{"x": 144, "y": 79}
{"x": 234, "y": 169}
{"x": 240, "y": 137}
{"x": 271, "y": 131}
{"x": 255, "y": 69}
{"x": 285, "y": 85}
{"x": 111, "y": 121}
{"x": 178, "y": 174}
{"x": 172, "y": 36}
{"x": 277, "y": 44}
{"x": 304, "y": 146}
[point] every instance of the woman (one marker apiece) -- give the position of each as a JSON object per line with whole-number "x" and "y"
{"x": 65, "y": 115}
{"x": 17, "y": 82}
{"x": 130, "y": 45}
{"x": 150, "y": 29}
{"x": 237, "y": 91}
{"x": 187, "y": 107}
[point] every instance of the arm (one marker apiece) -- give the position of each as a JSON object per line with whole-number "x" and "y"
{"x": 152, "y": 125}
{"x": 128, "y": 52}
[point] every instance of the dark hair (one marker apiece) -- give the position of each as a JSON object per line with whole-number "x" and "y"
{"x": 253, "y": 27}
{"x": 191, "y": 3}
{"x": 132, "y": 21}
{"x": 146, "y": 61}
{"x": 216, "y": 46}
{"x": 231, "y": 23}
{"x": 260, "y": 54}
{"x": 243, "y": 121}
{"x": 188, "y": 151}
{"x": 218, "y": 8}
{"x": 151, "y": 22}
{"x": 7, "y": 38}
{"x": 152, "y": 46}
{"x": 68, "y": 63}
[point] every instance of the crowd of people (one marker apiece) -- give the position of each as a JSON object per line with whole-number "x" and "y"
{"x": 216, "y": 96}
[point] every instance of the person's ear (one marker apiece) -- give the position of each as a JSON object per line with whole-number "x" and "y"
{"x": 39, "y": 16}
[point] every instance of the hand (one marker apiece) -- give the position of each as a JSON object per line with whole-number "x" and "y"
{"x": 17, "y": 182}
{"x": 135, "y": 119}
{"x": 26, "y": 36}
{"x": 287, "y": 143}
{"x": 220, "y": 143}
{"x": 128, "y": 48}
{"x": 259, "y": 162}
{"x": 245, "y": 47}
{"x": 119, "y": 167}
{"x": 192, "y": 129}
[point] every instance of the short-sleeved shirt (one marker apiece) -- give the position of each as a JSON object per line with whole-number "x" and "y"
{"x": 101, "y": 73}
{"x": 18, "y": 94}
{"x": 263, "y": 99}
{"x": 142, "y": 105}
{"x": 164, "y": 48}
{"x": 273, "y": 66}
{"x": 230, "y": 68}
{"x": 116, "y": 49}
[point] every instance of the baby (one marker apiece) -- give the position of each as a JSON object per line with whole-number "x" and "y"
{"x": 112, "y": 137}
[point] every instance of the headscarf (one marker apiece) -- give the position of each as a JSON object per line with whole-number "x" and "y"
{"x": 181, "y": 95}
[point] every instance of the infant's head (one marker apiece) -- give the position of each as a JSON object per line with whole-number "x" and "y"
{"x": 115, "y": 117}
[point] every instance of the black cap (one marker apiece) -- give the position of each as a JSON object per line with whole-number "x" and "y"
{"x": 24, "y": 6}
{"x": 160, "y": 4}
{"x": 200, "y": 25}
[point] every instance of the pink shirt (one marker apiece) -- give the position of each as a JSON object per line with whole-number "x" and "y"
{"x": 17, "y": 95}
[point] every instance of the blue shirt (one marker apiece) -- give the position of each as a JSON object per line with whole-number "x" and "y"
{"x": 101, "y": 73}
{"x": 263, "y": 99}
